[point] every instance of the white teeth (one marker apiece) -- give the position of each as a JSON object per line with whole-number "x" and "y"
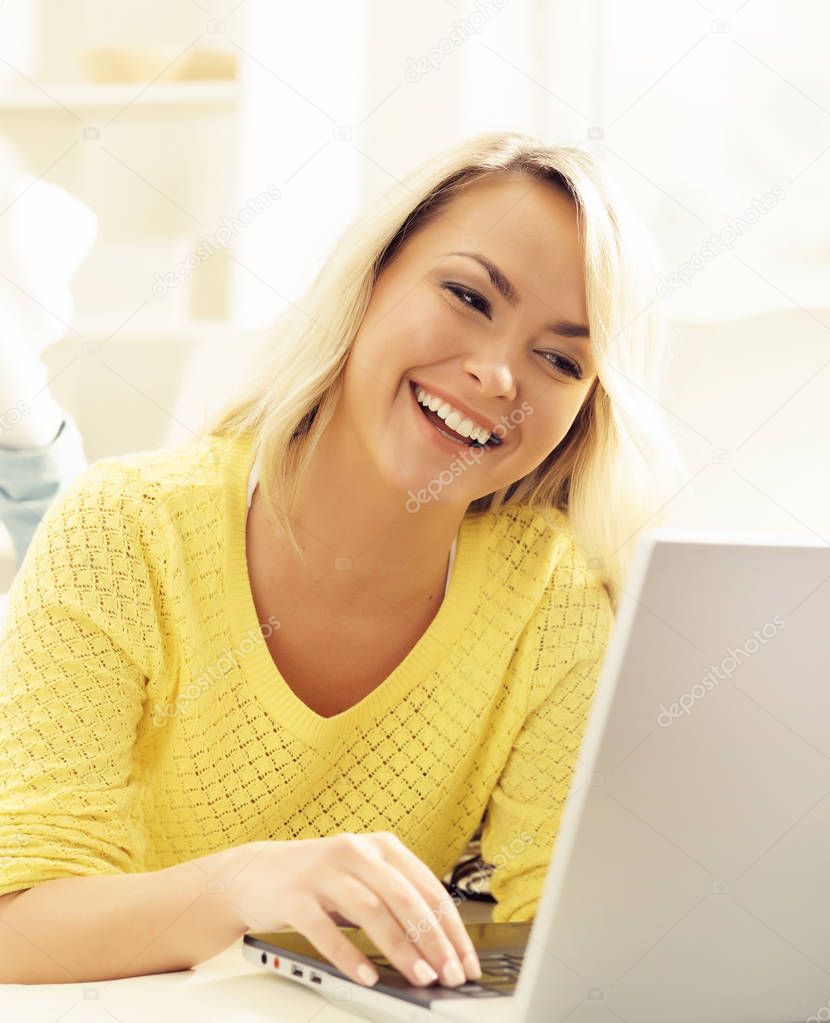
{"x": 452, "y": 417}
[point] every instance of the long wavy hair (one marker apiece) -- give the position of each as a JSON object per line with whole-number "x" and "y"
{"x": 618, "y": 465}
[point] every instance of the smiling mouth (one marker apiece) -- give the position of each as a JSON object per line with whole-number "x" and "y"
{"x": 438, "y": 423}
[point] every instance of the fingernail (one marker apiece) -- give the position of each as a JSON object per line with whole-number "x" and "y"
{"x": 453, "y": 974}
{"x": 366, "y": 974}
{"x": 424, "y": 973}
{"x": 472, "y": 966}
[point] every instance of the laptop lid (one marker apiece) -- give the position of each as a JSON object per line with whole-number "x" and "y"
{"x": 690, "y": 879}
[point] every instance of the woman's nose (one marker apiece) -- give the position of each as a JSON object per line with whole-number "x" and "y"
{"x": 495, "y": 378}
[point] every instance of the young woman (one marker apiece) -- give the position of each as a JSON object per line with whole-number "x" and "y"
{"x": 278, "y": 676}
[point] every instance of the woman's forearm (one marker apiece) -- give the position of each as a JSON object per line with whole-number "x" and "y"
{"x": 102, "y": 927}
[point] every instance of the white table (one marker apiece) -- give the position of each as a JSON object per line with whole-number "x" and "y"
{"x": 225, "y": 989}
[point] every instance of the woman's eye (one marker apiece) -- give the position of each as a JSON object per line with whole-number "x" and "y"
{"x": 462, "y": 294}
{"x": 481, "y": 305}
{"x": 564, "y": 365}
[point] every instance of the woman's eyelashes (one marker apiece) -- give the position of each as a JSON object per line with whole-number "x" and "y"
{"x": 462, "y": 293}
{"x": 565, "y": 365}
{"x": 459, "y": 291}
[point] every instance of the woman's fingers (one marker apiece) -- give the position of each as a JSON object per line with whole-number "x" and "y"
{"x": 374, "y": 882}
{"x": 421, "y": 918}
{"x": 437, "y": 895}
{"x": 310, "y": 919}
{"x": 369, "y": 911}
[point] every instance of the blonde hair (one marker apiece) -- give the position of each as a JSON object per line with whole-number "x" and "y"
{"x": 617, "y": 466}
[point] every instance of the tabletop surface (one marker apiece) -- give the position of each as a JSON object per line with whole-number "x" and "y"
{"x": 226, "y": 988}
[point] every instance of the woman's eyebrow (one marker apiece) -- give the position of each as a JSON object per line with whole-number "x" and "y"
{"x": 500, "y": 282}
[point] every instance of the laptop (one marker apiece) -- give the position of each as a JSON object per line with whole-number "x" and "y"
{"x": 690, "y": 878}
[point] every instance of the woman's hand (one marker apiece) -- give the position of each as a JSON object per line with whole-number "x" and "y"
{"x": 371, "y": 881}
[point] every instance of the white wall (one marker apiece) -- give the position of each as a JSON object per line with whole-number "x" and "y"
{"x": 749, "y": 401}
{"x": 693, "y": 121}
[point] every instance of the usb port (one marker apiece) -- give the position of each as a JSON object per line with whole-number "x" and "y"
{"x": 296, "y": 971}
{"x": 316, "y": 978}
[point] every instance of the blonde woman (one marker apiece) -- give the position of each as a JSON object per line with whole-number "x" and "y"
{"x": 278, "y": 676}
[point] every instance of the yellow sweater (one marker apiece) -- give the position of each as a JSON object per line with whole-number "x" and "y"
{"x": 143, "y": 721}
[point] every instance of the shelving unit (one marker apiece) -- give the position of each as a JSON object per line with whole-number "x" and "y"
{"x": 155, "y": 159}
{"x": 221, "y": 94}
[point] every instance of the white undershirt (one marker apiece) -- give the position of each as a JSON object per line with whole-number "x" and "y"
{"x": 252, "y": 482}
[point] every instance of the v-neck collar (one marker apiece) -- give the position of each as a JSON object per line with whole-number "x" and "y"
{"x": 273, "y": 692}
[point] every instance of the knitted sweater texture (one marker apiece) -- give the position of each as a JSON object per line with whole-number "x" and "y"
{"x": 143, "y": 721}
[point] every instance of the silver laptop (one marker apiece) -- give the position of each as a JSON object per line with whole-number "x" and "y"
{"x": 690, "y": 879}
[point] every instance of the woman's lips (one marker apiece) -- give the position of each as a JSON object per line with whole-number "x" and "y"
{"x": 446, "y": 442}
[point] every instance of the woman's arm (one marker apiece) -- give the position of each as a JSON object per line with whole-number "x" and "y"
{"x": 80, "y": 639}
{"x": 76, "y": 929}
{"x": 109, "y": 927}
{"x": 560, "y": 656}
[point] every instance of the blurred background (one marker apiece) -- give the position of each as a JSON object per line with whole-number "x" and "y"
{"x": 222, "y": 146}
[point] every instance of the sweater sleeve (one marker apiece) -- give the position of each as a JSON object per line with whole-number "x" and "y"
{"x": 558, "y": 658}
{"x": 76, "y": 649}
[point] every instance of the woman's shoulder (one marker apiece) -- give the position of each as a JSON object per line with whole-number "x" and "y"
{"x": 544, "y": 535}
{"x": 143, "y": 503}
{"x": 181, "y": 473}
{"x": 545, "y": 559}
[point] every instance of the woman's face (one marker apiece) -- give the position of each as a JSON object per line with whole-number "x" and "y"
{"x": 520, "y": 364}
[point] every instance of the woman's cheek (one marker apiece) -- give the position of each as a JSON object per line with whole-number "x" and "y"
{"x": 430, "y": 337}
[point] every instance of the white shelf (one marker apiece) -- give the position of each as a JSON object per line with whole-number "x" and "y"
{"x": 91, "y": 95}
{"x": 99, "y": 328}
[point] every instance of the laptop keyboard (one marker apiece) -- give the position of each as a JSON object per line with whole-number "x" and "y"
{"x": 499, "y": 974}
